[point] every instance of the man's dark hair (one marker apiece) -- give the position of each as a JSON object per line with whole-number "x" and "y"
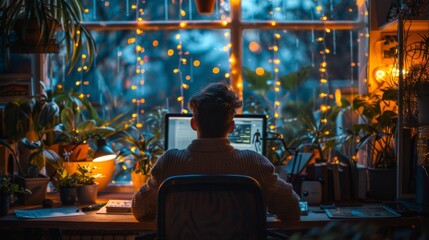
{"x": 214, "y": 109}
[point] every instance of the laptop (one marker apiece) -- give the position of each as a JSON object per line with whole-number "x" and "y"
{"x": 249, "y": 132}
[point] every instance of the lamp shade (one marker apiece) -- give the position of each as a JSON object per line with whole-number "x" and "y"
{"x": 103, "y": 152}
{"x": 205, "y": 6}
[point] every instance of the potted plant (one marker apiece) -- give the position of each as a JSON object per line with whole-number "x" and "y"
{"x": 79, "y": 125}
{"x": 416, "y": 82}
{"x": 28, "y": 122}
{"x": 32, "y": 26}
{"x": 7, "y": 190}
{"x": 205, "y": 6}
{"x": 87, "y": 187}
{"x": 140, "y": 150}
{"x": 66, "y": 184}
{"x": 81, "y": 132}
{"x": 33, "y": 179}
{"x": 144, "y": 153}
{"x": 378, "y": 113}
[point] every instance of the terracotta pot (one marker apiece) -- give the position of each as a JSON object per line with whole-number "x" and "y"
{"x": 138, "y": 180}
{"x": 87, "y": 193}
{"x": 37, "y": 186}
{"x": 79, "y": 153}
{"x": 205, "y": 6}
{"x": 106, "y": 168}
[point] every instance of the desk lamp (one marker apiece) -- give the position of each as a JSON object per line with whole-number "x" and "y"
{"x": 103, "y": 152}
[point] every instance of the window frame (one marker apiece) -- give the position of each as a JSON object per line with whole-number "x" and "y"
{"x": 236, "y": 26}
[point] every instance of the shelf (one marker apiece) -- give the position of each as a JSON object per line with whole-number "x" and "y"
{"x": 417, "y": 25}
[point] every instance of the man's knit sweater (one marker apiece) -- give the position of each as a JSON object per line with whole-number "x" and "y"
{"x": 217, "y": 156}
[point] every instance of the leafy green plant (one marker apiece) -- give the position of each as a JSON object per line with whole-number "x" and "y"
{"x": 64, "y": 179}
{"x": 138, "y": 150}
{"x": 377, "y": 129}
{"x": 319, "y": 133}
{"x": 21, "y": 18}
{"x": 30, "y": 117}
{"x": 143, "y": 151}
{"x": 80, "y": 120}
{"x": 7, "y": 187}
{"x": 30, "y": 122}
{"x": 85, "y": 174}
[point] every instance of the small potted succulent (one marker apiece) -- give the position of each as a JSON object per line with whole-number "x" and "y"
{"x": 66, "y": 184}
{"x": 87, "y": 187}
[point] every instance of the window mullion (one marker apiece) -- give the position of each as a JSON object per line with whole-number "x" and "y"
{"x": 236, "y": 49}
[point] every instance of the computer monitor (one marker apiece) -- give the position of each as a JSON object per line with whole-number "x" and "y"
{"x": 249, "y": 132}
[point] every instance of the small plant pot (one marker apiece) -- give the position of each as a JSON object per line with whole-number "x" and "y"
{"x": 138, "y": 180}
{"x": 87, "y": 193}
{"x": 4, "y": 204}
{"x": 68, "y": 195}
{"x": 106, "y": 168}
{"x": 37, "y": 186}
{"x": 205, "y": 6}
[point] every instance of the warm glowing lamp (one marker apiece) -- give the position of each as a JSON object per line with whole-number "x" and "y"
{"x": 104, "y": 162}
{"x": 103, "y": 152}
{"x": 381, "y": 73}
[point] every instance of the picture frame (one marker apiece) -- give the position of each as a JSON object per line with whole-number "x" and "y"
{"x": 13, "y": 86}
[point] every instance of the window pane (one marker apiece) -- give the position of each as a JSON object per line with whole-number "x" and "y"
{"x": 281, "y": 10}
{"x": 150, "y": 10}
{"x": 287, "y": 73}
{"x": 134, "y": 74}
{"x": 157, "y": 66}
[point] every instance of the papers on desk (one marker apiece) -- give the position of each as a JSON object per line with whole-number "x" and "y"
{"x": 48, "y": 212}
{"x": 362, "y": 212}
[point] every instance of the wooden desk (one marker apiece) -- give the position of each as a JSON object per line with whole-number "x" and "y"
{"x": 106, "y": 222}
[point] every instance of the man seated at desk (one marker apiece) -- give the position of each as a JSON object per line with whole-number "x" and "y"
{"x": 211, "y": 153}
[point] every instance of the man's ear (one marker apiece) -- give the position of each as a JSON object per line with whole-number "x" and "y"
{"x": 231, "y": 127}
{"x": 194, "y": 125}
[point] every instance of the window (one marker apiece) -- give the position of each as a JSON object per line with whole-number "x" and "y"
{"x": 279, "y": 55}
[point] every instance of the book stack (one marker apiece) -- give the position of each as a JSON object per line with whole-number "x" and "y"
{"x": 118, "y": 206}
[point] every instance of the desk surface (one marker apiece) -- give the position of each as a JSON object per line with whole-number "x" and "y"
{"x": 93, "y": 221}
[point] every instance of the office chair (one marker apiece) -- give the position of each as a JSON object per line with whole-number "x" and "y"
{"x": 210, "y": 207}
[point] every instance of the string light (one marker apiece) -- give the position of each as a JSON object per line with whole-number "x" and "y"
{"x": 185, "y": 65}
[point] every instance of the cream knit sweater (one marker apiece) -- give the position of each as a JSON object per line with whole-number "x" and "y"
{"x": 217, "y": 156}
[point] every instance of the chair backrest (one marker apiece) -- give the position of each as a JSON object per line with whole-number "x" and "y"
{"x": 210, "y": 207}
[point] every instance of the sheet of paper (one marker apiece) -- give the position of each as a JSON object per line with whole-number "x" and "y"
{"x": 48, "y": 212}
